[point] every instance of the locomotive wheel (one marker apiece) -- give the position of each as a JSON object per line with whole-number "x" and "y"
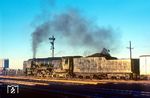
{"x": 80, "y": 77}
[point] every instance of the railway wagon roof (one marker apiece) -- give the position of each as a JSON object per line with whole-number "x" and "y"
{"x": 71, "y": 56}
{"x": 49, "y": 58}
{"x": 145, "y": 56}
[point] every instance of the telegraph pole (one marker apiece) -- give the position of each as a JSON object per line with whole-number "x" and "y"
{"x": 130, "y": 48}
{"x": 132, "y": 68}
{"x": 52, "y": 39}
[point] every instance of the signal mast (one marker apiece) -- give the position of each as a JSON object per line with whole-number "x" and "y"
{"x": 52, "y": 39}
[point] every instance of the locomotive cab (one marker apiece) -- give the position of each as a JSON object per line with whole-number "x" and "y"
{"x": 67, "y": 64}
{"x": 67, "y": 67}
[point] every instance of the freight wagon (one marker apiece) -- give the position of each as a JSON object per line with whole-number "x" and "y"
{"x": 145, "y": 66}
{"x": 100, "y": 67}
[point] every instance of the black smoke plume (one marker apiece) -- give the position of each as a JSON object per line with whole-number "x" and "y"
{"x": 39, "y": 35}
{"x": 77, "y": 30}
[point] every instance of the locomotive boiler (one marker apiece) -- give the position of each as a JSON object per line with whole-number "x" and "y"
{"x": 41, "y": 67}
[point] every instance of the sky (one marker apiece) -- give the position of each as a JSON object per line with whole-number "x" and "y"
{"x": 19, "y": 18}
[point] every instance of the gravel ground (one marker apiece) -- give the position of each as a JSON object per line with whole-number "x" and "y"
{"x": 32, "y": 87}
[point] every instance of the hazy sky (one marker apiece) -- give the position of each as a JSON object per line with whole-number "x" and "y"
{"x": 18, "y": 19}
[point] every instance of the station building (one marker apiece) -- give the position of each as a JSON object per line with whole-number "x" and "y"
{"x": 4, "y": 64}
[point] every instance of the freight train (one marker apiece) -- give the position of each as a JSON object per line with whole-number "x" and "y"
{"x": 99, "y": 66}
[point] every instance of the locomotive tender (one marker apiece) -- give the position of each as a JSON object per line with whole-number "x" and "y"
{"x": 98, "y": 66}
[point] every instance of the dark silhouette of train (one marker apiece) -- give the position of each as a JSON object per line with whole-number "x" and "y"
{"x": 99, "y": 66}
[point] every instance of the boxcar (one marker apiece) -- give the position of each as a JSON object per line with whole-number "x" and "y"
{"x": 145, "y": 66}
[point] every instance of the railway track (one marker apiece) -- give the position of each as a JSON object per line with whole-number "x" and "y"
{"x": 60, "y": 90}
{"x": 80, "y": 81}
{"x": 84, "y": 93}
{"x": 27, "y": 91}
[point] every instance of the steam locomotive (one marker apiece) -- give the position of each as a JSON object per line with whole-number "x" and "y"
{"x": 99, "y": 66}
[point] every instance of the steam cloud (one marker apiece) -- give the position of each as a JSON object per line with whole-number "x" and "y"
{"x": 77, "y": 30}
